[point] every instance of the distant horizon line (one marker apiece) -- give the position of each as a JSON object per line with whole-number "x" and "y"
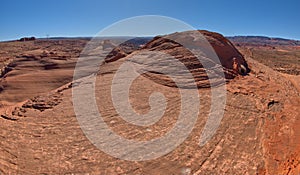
{"x": 146, "y": 36}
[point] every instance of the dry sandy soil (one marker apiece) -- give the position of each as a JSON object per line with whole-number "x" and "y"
{"x": 40, "y": 134}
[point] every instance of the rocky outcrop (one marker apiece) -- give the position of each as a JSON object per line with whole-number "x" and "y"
{"x": 7, "y": 68}
{"x": 224, "y": 49}
{"x": 27, "y": 39}
{"x": 42, "y": 103}
{"x": 159, "y": 54}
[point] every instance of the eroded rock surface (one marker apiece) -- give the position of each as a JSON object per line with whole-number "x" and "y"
{"x": 41, "y": 134}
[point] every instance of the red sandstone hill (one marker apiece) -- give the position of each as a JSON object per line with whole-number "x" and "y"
{"x": 40, "y": 133}
{"x": 210, "y": 45}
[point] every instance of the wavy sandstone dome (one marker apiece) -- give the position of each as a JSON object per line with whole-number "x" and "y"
{"x": 40, "y": 133}
{"x": 215, "y": 51}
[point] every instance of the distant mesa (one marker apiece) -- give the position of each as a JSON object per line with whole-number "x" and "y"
{"x": 27, "y": 39}
{"x": 262, "y": 41}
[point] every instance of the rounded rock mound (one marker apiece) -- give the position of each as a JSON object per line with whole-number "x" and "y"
{"x": 156, "y": 59}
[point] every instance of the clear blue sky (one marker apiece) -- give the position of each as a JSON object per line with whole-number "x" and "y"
{"x": 276, "y": 18}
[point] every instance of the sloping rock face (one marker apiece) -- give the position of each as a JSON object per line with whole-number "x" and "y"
{"x": 229, "y": 56}
{"x": 35, "y": 67}
{"x": 216, "y": 54}
{"x": 224, "y": 49}
{"x": 258, "y": 134}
